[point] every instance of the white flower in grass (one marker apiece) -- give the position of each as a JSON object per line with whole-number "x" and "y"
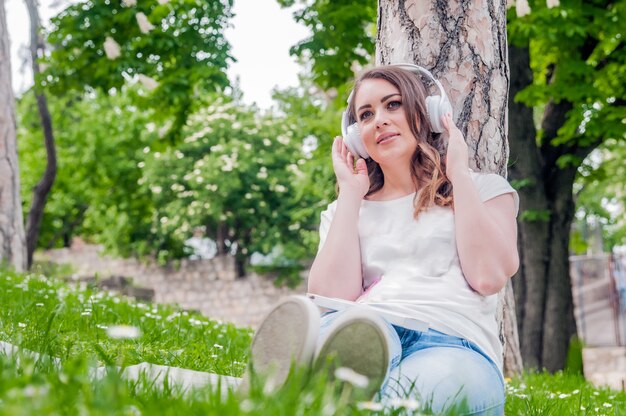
{"x": 607, "y": 405}
{"x": 148, "y": 82}
{"x": 123, "y": 332}
{"x": 163, "y": 1}
{"x": 373, "y": 406}
{"x": 144, "y": 24}
{"x": 409, "y": 404}
{"x": 39, "y": 304}
{"x": 552, "y": 3}
{"x": 522, "y": 8}
{"x": 352, "y": 377}
{"x": 21, "y": 324}
{"x": 129, "y": 3}
{"x": 132, "y": 411}
{"x": 246, "y": 405}
{"x": 218, "y": 346}
{"x": 112, "y": 48}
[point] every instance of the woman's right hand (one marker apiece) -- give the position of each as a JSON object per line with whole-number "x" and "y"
{"x": 351, "y": 180}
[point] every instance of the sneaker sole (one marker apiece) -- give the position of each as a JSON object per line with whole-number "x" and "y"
{"x": 358, "y": 342}
{"x": 288, "y": 335}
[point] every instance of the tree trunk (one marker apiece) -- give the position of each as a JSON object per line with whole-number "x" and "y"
{"x": 530, "y": 284}
{"x": 542, "y": 285}
{"x": 42, "y": 189}
{"x": 12, "y": 245}
{"x": 463, "y": 44}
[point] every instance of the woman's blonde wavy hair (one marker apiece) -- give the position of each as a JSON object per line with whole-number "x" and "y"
{"x": 428, "y": 163}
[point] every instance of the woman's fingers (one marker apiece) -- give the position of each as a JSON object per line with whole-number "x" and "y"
{"x": 361, "y": 167}
{"x": 337, "y": 143}
{"x": 447, "y": 122}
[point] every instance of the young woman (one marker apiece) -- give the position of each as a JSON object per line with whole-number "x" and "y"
{"x": 414, "y": 232}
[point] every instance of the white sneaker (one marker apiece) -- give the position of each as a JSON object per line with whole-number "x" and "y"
{"x": 288, "y": 335}
{"x": 358, "y": 340}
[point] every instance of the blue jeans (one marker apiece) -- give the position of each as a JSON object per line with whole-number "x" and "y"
{"x": 440, "y": 371}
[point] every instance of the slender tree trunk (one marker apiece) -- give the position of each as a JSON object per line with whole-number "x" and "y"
{"x": 43, "y": 187}
{"x": 12, "y": 245}
{"x": 463, "y": 43}
{"x": 221, "y": 235}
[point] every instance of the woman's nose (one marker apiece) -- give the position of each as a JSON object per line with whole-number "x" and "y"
{"x": 381, "y": 119}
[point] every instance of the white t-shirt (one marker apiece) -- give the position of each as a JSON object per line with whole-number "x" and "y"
{"x": 411, "y": 266}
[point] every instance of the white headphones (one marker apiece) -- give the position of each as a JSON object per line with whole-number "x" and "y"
{"x": 436, "y": 106}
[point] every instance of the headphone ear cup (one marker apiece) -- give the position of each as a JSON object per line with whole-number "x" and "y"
{"x": 353, "y": 141}
{"x": 437, "y": 106}
{"x": 434, "y": 113}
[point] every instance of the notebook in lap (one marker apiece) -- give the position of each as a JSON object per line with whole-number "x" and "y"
{"x": 390, "y": 316}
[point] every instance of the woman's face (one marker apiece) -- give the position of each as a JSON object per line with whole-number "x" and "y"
{"x": 382, "y": 122}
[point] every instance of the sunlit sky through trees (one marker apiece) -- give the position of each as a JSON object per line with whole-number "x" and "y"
{"x": 260, "y": 41}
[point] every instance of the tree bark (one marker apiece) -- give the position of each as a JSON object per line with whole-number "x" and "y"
{"x": 12, "y": 244}
{"x": 463, "y": 43}
{"x": 43, "y": 187}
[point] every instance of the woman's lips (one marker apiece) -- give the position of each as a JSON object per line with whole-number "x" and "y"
{"x": 385, "y": 137}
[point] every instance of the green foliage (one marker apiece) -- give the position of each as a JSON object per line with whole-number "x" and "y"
{"x": 98, "y": 138}
{"x": 574, "y": 362}
{"x": 600, "y": 196}
{"x": 577, "y": 243}
{"x": 317, "y": 116}
{"x": 576, "y": 56}
{"x": 535, "y": 215}
{"x": 343, "y": 34}
{"x": 235, "y": 171}
{"x": 522, "y": 183}
{"x": 184, "y": 51}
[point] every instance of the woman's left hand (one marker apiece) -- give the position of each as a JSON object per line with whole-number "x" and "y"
{"x": 457, "y": 154}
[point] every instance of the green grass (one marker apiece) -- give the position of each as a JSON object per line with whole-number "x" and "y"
{"x": 49, "y": 316}
{"x": 70, "y": 322}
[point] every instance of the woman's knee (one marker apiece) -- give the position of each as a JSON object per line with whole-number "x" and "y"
{"x": 445, "y": 377}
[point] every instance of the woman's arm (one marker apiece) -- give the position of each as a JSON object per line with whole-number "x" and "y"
{"x": 336, "y": 270}
{"x": 486, "y": 236}
{"x": 486, "y": 232}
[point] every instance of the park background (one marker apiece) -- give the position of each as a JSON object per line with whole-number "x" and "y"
{"x": 161, "y": 158}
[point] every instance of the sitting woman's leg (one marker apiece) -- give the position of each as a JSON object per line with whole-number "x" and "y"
{"x": 446, "y": 377}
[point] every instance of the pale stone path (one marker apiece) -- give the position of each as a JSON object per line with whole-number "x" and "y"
{"x": 183, "y": 378}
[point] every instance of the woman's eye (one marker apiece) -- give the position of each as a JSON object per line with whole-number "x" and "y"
{"x": 364, "y": 115}
{"x": 394, "y": 104}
